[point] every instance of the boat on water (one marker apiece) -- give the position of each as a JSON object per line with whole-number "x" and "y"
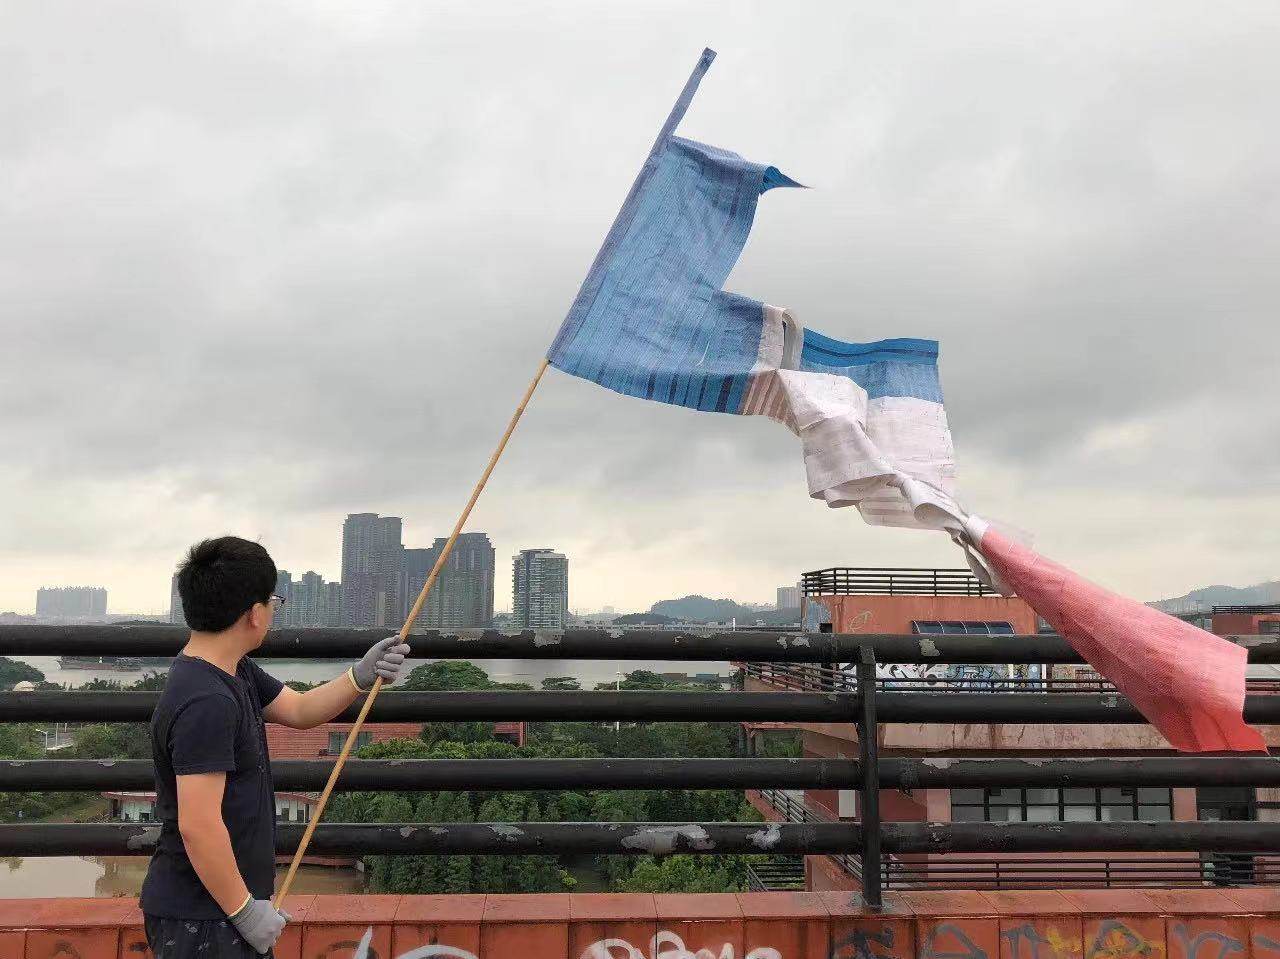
{"x": 118, "y": 664}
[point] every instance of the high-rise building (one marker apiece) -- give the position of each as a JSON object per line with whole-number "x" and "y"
{"x": 539, "y": 589}
{"x": 176, "y": 614}
{"x": 72, "y": 602}
{"x": 310, "y": 601}
{"x": 789, "y": 596}
{"x": 372, "y": 570}
{"x": 463, "y": 593}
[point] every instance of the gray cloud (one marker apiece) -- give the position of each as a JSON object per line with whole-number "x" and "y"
{"x": 262, "y": 266}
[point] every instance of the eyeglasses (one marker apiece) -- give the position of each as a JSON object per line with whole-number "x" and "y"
{"x": 275, "y": 601}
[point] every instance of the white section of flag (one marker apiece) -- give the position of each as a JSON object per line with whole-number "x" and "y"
{"x": 856, "y": 451}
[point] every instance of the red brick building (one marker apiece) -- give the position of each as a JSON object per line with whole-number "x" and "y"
{"x": 950, "y": 602}
{"x": 1245, "y": 620}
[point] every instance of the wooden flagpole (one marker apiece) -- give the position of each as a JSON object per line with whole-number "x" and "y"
{"x": 404, "y": 632}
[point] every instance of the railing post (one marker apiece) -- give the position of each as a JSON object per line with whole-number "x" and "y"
{"x": 869, "y": 753}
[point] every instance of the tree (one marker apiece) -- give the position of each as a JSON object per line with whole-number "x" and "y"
{"x": 464, "y": 732}
{"x": 110, "y": 741}
{"x": 687, "y": 874}
{"x": 386, "y": 875}
{"x": 561, "y": 682}
{"x": 13, "y": 672}
{"x": 637, "y": 679}
{"x": 447, "y": 674}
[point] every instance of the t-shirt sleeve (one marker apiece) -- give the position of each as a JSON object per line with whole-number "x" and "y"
{"x": 202, "y": 738}
{"x": 268, "y": 686}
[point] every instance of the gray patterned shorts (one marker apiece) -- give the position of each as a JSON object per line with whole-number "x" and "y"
{"x": 196, "y": 939}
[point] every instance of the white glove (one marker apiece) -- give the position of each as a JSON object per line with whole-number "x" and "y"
{"x": 385, "y": 658}
{"x": 259, "y": 923}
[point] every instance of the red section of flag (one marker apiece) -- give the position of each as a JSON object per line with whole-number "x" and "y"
{"x": 1188, "y": 683}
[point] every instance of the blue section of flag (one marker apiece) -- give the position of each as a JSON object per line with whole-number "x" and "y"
{"x": 898, "y": 367}
{"x": 651, "y": 319}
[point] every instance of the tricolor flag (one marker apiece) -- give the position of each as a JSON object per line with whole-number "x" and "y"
{"x": 652, "y": 320}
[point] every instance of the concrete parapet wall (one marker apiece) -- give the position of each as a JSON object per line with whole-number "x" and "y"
{"x": 1095, "y": 924}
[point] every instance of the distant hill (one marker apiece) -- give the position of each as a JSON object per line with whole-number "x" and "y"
{"x": 1208, "y": 596}
{"x": 700, "y": 609}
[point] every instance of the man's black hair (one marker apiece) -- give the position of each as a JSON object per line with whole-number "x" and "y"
{"x": 221, "y": 579}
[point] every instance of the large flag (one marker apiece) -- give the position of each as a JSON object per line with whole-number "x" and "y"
{"x": 652, "y": 320}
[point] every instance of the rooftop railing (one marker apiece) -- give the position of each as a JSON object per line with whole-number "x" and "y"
{"x": 1041, "y": 872}
{"x": 892, "y": 581}
{"x": 864, "y": 705}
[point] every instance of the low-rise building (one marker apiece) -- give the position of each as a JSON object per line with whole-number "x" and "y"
{"x": 927, "y": 602}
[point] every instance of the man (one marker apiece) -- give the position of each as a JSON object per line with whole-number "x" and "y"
{"x": 207, "y": 894}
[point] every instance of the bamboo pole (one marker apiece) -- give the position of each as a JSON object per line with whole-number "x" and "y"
{"x": 404, "y": 632}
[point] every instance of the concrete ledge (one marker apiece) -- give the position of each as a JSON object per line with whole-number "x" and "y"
{"x": 1096, "y": 924}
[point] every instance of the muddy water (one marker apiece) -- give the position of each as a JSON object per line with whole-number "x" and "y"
{"x": 106, "y": 876}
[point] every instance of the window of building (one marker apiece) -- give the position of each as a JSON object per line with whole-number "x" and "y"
{"x": 1122, "y": 804}
{"x": 337, "y": 739}
{"x": 1269, "y": 627}
{"x": 956, "y": 628}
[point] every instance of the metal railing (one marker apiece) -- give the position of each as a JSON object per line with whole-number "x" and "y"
{"x": 865, "y": 704}
{"x": 1083, "y": 872}
{"x": 892, "y": 581}
{"x": 794, "y": 809}
{"x": 778, "y": 874}
{"x": 1057, "y": 872}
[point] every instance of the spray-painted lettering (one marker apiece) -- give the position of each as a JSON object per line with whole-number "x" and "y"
{"x": 1221, "y": 945}
{"x": 949, "y": 934}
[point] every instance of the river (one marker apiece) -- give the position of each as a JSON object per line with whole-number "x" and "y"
{"x": 588, "y": 672}
{"x": 105, "y": 876}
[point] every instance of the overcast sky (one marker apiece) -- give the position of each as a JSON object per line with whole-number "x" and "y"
{"x": 265, "y": 264}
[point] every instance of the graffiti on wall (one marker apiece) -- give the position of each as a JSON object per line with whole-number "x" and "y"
{"x": 865, "y": 944}
{"x": 1116, "y": 940}
{"x": 1028, "y": 942}
{"x": 946, "y": 940}
{"x": 664, "y": 945}
{"x": 982, "y": 677}
{"x": 1216, "y": 945}
{"x": 668, "y": 945}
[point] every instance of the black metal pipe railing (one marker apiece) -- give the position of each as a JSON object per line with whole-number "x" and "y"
{"x": 716, "y": 838}
{"x": 637, "y": 706}
{"x": 694, "y": 645}
{"x": 652, "y": 706}
{"x": 450, "y": 839}
{"x": 461, "y": 775}
{"x": 869, "y": 704}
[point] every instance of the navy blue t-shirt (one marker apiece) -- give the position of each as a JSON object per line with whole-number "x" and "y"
{"x": 209, "y": 721}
